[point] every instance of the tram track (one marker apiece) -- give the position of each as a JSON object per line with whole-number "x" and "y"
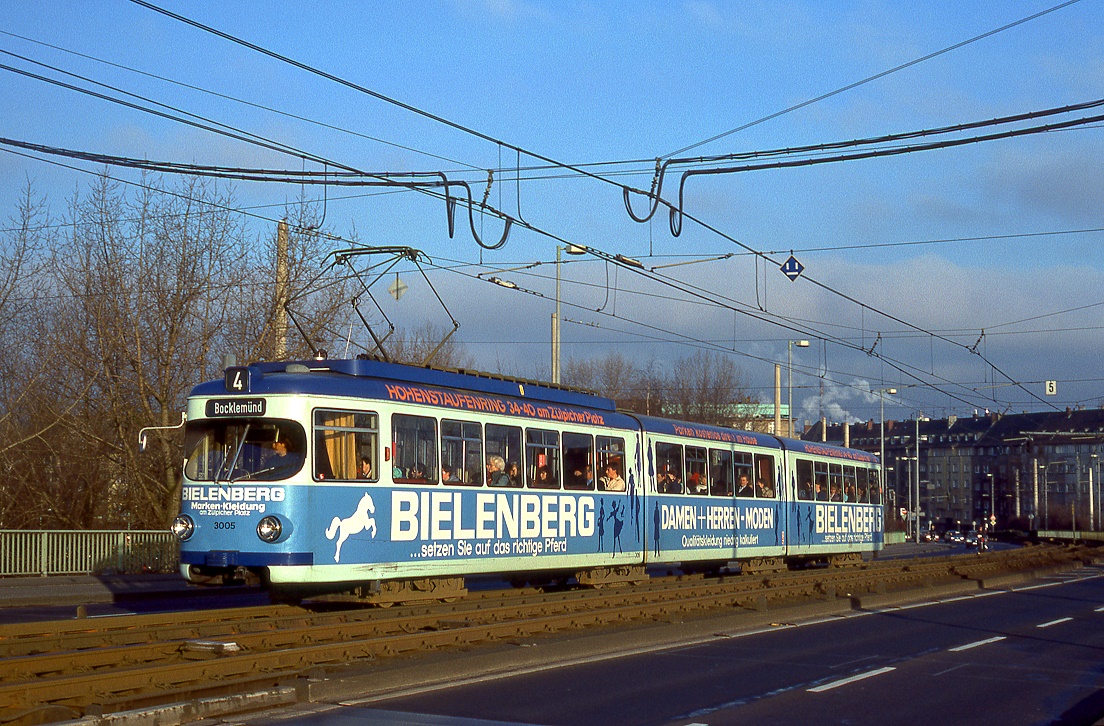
{"x": 70, "y": 668}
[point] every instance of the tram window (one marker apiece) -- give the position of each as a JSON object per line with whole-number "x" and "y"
{"x": 414, "y": 459}
{"x": 697, "y": 477}
{"x": 669, "y": 468}
{"x": 850, "y": 485}
{"x": 764, "y": 477}
{"x": 835, "y": 482}
{"x": 745, "y": 478}
{"x": 578, "y": 459}
{"x": 875, "y": 487}
{"x": 542, "y": 458}
{"x": 505, "y": 441}
{"x": 346, "y": 445}
{"x": 820, "y": 480}
{"x": 864, "y": 485}
{"x": 230, "y": 450}
{"x": 611, "y": 460}
{"x": 720, "y": 470}
{"x": 461, "y": 453}
{"x": 804, "y": 479}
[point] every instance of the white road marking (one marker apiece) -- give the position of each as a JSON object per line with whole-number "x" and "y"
{"x": 852, "y": 679}
{"x": 1053, "y": 622}
{"x": 714, "y": 637}
{"x": 1099, "y": 609}
{"x": 976, "y": 644}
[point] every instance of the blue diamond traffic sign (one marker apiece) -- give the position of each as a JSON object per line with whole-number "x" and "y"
{"x": 792, "y": 269}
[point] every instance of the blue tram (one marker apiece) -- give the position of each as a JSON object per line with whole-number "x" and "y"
{"x": 389, "y": 482}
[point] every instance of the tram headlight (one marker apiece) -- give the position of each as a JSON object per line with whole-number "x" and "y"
{"x": 183, "y": 527}
{"x": 269, "y": 529}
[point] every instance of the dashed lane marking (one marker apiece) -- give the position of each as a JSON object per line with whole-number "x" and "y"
{"x": 977, "y": 644}
{"x": 1053, "y": 622}
{"x": 851, "y": 679}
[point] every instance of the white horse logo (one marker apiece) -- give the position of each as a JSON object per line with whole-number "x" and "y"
{"x": 355, "y": 524}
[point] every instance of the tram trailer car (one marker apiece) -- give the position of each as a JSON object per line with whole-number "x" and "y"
{"x": 385, "y": 482}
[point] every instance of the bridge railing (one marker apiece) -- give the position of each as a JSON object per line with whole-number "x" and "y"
{"x": 1068, "y": 535}
{"x": 81, "y": 552}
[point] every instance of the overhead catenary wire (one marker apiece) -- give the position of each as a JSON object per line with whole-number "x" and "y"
{"x": 424, "y": 182}
{"x": 819, "y": 334}
{"x": 235, "y": 99}
{"x": 487, "y": 137}
{"x": 698, "y": 342}
{"x": 500, "y": 214}
{"x": 658, "y": 200}
{"x": 901, "y": 366}
{"x": 874, "y": 77}
{"x": 235, "y": 210}
{"x": 655, "y": 193}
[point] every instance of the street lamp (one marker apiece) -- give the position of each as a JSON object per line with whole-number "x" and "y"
{"x": 1093, "y": 464}
{"x": 908, "y": 483}
{"x": 1046, "y": 491}
{"x": 992, "y": 501}
{"x": 882, "y": 393}
{"x": 919, "y": 417}
{"x": 556, "y": 318}
{"x": 789, "y": 373}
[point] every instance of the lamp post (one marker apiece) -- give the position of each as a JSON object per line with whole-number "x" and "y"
{"x": 908, "y": 483}
{"x": 1046, "y": 491}
{"x": 919, "y": 417}
{"x": 882, "y": 393}
{"x": 992, "y": 501}
{"x": 1093, "y": 463}
{"x": 556, "y": 318}
{"x": 789, "y": 374}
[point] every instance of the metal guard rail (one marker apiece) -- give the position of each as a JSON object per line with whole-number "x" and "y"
{"x": 82, "y": 552}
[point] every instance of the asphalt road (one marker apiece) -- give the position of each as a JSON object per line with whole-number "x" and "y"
{"x": 1030, "y": 656}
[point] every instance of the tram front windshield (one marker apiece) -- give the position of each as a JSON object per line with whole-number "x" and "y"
{"x": 230, "y": 450}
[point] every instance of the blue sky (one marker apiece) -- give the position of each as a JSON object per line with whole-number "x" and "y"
{"x": 595, "y": 82}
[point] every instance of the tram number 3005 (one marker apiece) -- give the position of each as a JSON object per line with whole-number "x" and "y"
{"x": 220, "y": 524}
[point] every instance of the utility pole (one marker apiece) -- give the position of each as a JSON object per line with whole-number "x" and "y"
{"x": 556, "y": 325}
{"x": 557, "y": 320}
{"x": 789, "y": 373}
{"x": 281, "y": 322}
{"x": 777, "y": 399}
{"x": 917, "y": 500}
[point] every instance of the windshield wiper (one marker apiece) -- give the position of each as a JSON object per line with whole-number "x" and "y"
{"x": 237, "y": 455}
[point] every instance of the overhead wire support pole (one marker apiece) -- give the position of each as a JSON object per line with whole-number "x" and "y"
{"x": 556, "y": 324}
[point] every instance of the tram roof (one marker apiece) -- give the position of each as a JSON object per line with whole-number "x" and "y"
{"x": 330, "y": 376}
{"x": 723, "y": 434}
{"x": 822, "y": 449}
{"x": 707, "y": 432}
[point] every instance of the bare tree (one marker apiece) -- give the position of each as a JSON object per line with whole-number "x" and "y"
{"x": 29, "y": 230}
{"x": 141, "y": 296}
{"x": 319, "y": 296}
{"x": 632, "y": 387}
{"x": 415, "y": 346}
{"x": 706, "y": 387}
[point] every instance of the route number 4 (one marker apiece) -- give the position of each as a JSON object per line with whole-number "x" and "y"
{"x": 237, "y": 379}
